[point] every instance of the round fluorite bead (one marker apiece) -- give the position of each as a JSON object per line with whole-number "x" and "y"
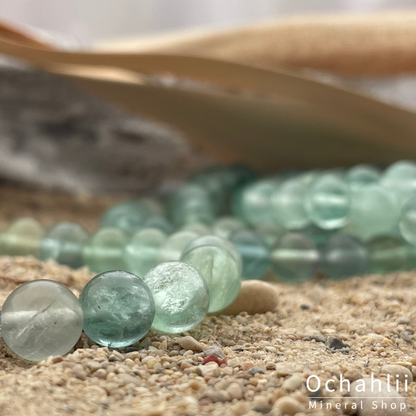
{"x": 362, "y": 175}
{"x": 181, "y": 296}
{"x": 159, "y": 222}
{"x": 173, "y": 247}
{"x": 254, "y": 252}
{"x": 295, "y": 258}
{"x": 219, "y": 263}
{"x": 127, "y": 216}
{"x": 374, "y": 211}
{"x": 41, "y": 318}
{"x": 255, "y": 199}
{"x": 197, "y": 228}
{"x": 318, "y": 235}
{"x": 400, "y": 179}
{"x": 118, "y": 309}
{"x": 224, "y": 226}
{"x": 288, "y": 205}
{"x": 192, "y": 204}
{"x": 328, "y": 201}
{"x": 271, "y": 233}
{"x": 142, "y": 252}
{"x": 105, "y": 249}
{"x": 407, "y": 223}
{"x": 344, "y": 256}
{"x": 64, "y": 243}
{"x": 389, "y": 253}
{"x": 22, "y": 238}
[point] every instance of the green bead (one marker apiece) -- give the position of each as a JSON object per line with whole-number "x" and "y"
{"x": 400, "y": 179}
{"x": 389, "y": 253}
{"x": 295, "y": 258}
{"x": 159, "y": 222}
{"x": 224, "y": 226}
{"x": 374, "y": 211}
{"x": 64, "y": 243}
{"x": 104, "y": 250}
{"x": 128, "y": 216}
{"x": 328, "y": 201}
{"x": 271, "y": 233}
{"x": 22, "y": 238}
{"x": 143, "y": 250}
{"x": 344, "y": 256}
{"x": 41, "y": 318}
{"x": 218, "y": 262}
{"x": 192, "y": 204}
{"x": 318, "y": 235}
{"x": 288, "y": 205}
{"x": 181, "y": 296}
{"x": 118, "y": 309}
{"x": 197, "y": 228}
{"x": 407, "y": 223}
{"x": 173, "y": 247}
{"x": 256, "y": 201}
{"x": 153, "y": 206}
{"x": 362, "y": 175}
{"x": 254, "y": 252}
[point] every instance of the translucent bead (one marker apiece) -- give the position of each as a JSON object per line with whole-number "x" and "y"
{"x": 256, "y": 201}
{"x": 271, "y": 233}
{"x": 159, "y": 222}
{"x": 153, "y": 206}
{"x": 295, "y": 258}
{"x": 255, "y": 254}
{"x": 104, "y": 250}
{"x": 118, "y": 309}
{"x": 142, "y": 252}
{"x": 181, "y": 296}
{"x": 173, "y": 247}
{"x": 318, "y": 235}
{"x": 328, "y": 201}
{"x": 41, "y": 318}
{"x": 198, "y": 228}
{"x": 344, "y": 256}
{"x": 400, "y": 179}
{"x": 192, "y": 204}
{"x": 362, "y": 175}
{"x": 407, "y": 223}
{"x": 224, "y": 226}
{"x": 374, "y": 211}
{"x": 288, "y": 205}
{"x": 128, "y": 216}
{"x": 22, "y": 238}
{"x": 64, "y": 243}
{"x": 219, "y": 263}
{"x": 389, "y": 253}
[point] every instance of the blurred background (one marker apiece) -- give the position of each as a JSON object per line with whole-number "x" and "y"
{"x": 92, "y": 21}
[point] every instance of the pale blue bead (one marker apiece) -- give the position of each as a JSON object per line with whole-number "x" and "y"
{"x": 295, "y": 258}
{"x": 362, "y": 175}
{"x": 254, "y": 252}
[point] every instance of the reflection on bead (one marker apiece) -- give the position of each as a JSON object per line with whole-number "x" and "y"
{"x": 64, "y": 243}
{"x": 128, "y": 216}
{"x": 374, "y": 211}
{"x": 142, "y": 252}
{"x": 104, "y": 250}
{"x": 41, "y": 318}
{"x": 389, "y": 253}
{"x": 288, "y": 205}
{"x": 22, "y": 238}
{"x": 224, "y": 226}
{"x": 255, "y": 254}
{"x": 219, "y": 263}
{"x": 181, "y": 296}
{"x": 173, "y": 247}
{"x": 328, "y": 201}
{"x": 295, "y": 258}
{"x": 362, "y": 175}
{"x": 118, "y": 309}
{"x": 407, "y": 223}
{"x": 344, "y": 256}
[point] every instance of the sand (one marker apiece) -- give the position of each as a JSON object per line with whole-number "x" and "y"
{"x": 324, "y": 328}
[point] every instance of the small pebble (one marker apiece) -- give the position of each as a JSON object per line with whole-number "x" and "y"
{"x": 288, "y": 406}
{"x": 256, "y": 370}
{"x": 397, "y": 371}
{"x": 214, "y": 350}
{"x": 293, "y": 383}
{"x": 190, "y": 343}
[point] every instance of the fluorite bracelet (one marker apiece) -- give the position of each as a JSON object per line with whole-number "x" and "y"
{"x": 223, "y": 225}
